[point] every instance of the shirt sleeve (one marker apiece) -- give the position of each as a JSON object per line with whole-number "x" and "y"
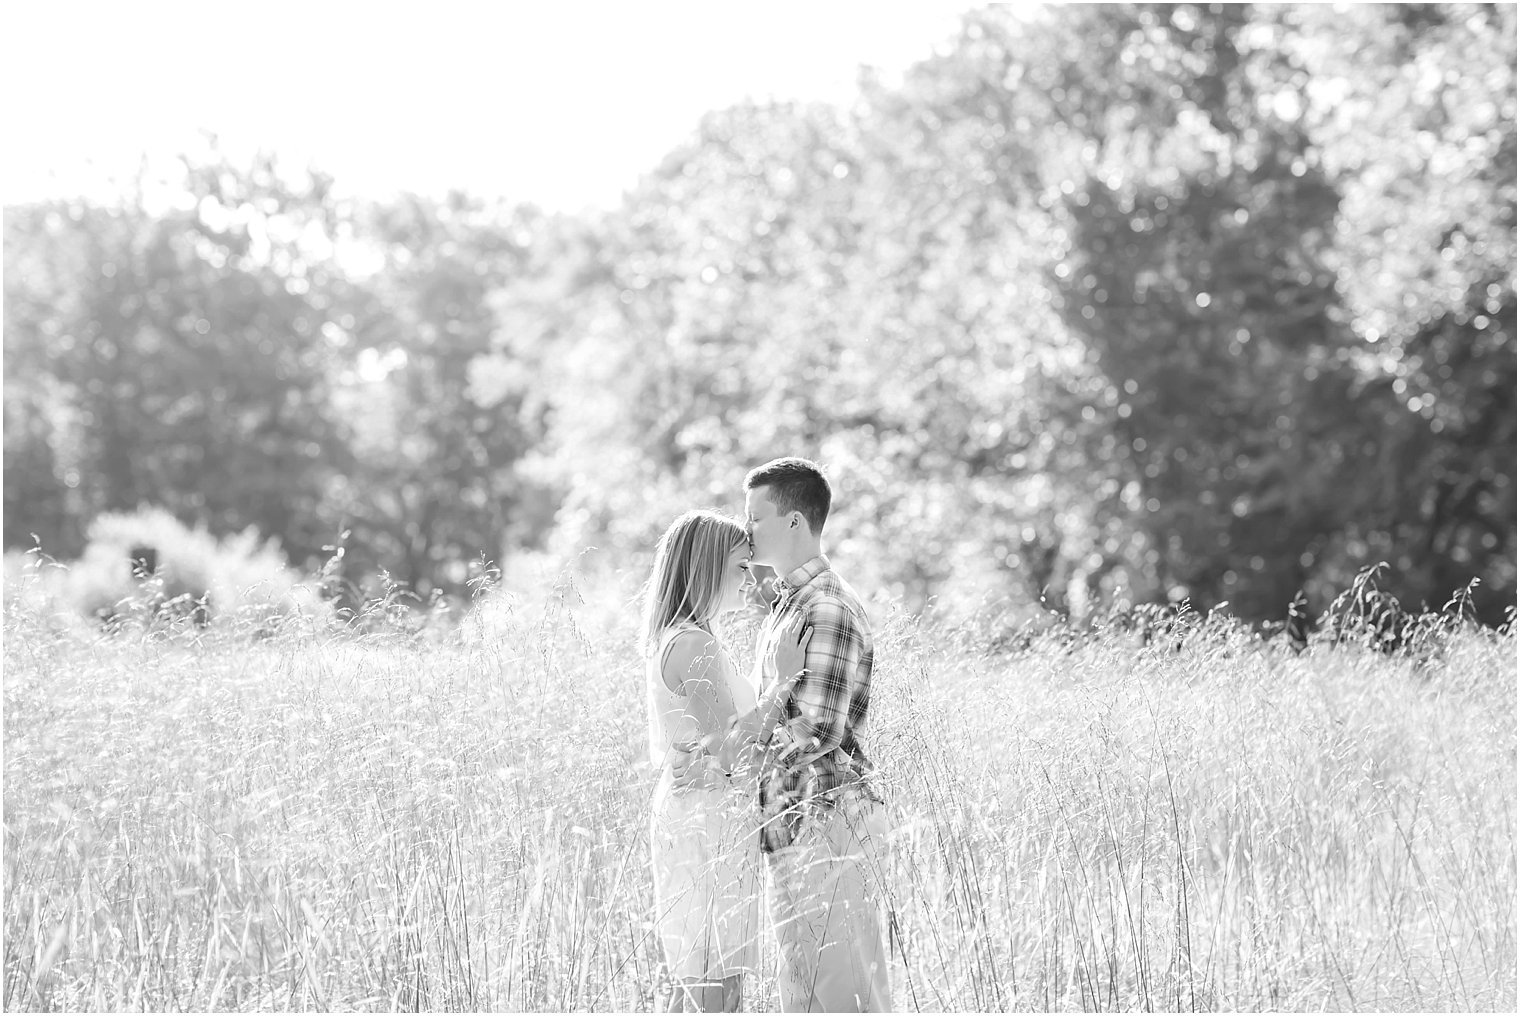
{"x": 821, "y": 699}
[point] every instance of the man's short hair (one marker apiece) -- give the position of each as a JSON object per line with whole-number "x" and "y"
{"x": 795, "y": 485}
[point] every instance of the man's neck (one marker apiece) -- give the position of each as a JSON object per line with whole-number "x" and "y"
{"x": 798, "y": 558}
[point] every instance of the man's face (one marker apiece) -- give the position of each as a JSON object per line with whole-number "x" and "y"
{"x": 767, "y": 529}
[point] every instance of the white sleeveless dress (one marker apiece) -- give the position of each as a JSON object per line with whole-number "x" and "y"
{"x": 704, "y": 842}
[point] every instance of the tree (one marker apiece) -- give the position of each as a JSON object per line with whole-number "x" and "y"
{"x": 434, "y": 484}
{"x": 1202, "y": 262}
{"x": 1107, "y": 302}
{"x": 1415, "y": 122}
{"x": 173, "y": 358}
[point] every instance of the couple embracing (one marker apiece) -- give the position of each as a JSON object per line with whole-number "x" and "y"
{"x": 764, "y": 764}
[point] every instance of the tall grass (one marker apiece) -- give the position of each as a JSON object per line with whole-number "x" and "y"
{"x": 324, "y": 819}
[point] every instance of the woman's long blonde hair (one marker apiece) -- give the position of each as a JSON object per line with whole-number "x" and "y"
{"x": 686, "y": 583}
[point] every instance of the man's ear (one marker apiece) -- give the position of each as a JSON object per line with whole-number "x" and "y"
{"x": 795, "y": 517}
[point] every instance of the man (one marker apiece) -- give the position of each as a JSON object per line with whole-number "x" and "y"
{"x": 822, "y": 816}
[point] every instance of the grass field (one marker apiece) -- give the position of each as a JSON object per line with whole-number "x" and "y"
{"x": 458, "y": 820}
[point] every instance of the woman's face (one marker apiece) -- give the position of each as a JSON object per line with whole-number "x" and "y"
{"x": 736, "y": 578}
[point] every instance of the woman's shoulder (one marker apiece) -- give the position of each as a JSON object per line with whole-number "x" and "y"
{"x": 686, "y": 653}
{"x": 689, "y": 646}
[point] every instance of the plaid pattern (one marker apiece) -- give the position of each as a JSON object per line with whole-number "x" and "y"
{"x": 822, "y": 722}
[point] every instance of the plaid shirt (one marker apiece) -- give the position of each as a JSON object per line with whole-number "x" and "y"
{"x": 824, "y": 718}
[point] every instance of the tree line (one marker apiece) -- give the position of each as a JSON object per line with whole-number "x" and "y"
{"x": 1117, "y": 302}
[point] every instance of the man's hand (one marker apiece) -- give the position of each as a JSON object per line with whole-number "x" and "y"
{"x": 797, "y": 757}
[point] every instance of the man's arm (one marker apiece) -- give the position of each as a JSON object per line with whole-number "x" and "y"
{"x": 822, "y": 696}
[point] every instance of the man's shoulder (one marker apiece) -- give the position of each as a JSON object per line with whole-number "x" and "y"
{"x": 830, "y": 591}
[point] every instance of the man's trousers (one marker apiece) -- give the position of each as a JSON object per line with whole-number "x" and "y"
{"x": 826, "y": 904}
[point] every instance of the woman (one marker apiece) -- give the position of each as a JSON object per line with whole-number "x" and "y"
{"x": 704, "y": 833}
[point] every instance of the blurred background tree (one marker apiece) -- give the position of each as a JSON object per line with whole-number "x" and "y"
{"x": 1115, "y": 303}
{"x": 434, "y": 482}
{"x": 172, "y": 357}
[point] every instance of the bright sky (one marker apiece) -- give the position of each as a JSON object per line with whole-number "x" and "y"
{"x": 562, "y": 103}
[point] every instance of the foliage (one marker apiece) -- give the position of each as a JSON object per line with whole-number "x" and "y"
{"x": 1100, "y": 305}
{"x": 218, "y": 358}
{"x": 1421, "y": 142}
{"x": 239, "y": 579}
{"x": 1071, "y": 318}
{"x": 182, "y": 352}
{"x": 435, "y": 444}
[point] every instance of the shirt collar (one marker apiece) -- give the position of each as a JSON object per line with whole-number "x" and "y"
{"x": 802, "y": 575}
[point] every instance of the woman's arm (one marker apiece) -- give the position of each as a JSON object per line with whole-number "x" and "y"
{"x": 691, "y": 667}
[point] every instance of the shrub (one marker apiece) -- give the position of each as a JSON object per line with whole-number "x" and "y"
{"x": 187, "y": 573}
